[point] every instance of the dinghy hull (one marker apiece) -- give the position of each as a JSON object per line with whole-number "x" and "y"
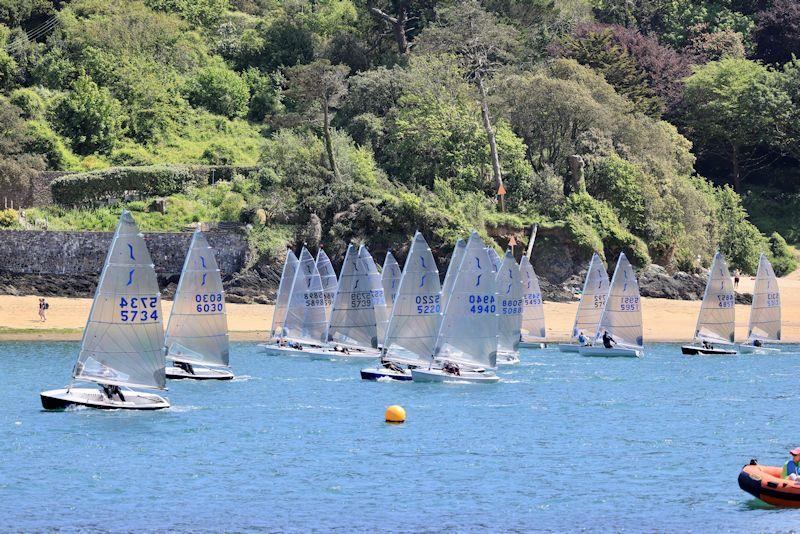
{"x": 273, "y": 349}
{"x": 614, "y": 352}
{"x": 694, "y": 350}
{"x": 507, "y": 358}
{"x": 61, "y": 399}
{"x": 569, "y": 347}
{"x": 374, "y": 373}
{"x": 353, "y": 355}
{"x": 199, "y": 373}
{"x": 750, "y": 349}
{"x": 532, "y": 345}
{"x": 439, "y": 375}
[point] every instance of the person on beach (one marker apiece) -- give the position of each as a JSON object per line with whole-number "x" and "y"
{"x": 790, "y": 468}
{"x": 43, "y": 306}
{"x": 608, "y": 341}
{"x": 736, "y": 279}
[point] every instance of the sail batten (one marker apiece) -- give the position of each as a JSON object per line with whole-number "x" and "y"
{"x": 305, "y": 314}
{"x": 622, "y": 312}
{"x": 197, "y": 331}
{"x": 468, "y": 333}
{"x": 533, "y": 324}
{"x": 417, "y": 312}
{"x": 717, "y": 317}
{"x": 123, "y": 342}
{"x": 765, "y": 311}
{"x": 509, "y": 309}
{"x": 593, "y": 298}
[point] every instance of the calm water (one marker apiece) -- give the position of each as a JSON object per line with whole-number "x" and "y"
{"x": 564, "y": 442}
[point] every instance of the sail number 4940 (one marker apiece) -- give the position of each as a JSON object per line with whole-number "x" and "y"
{"x": 482, "y": 304}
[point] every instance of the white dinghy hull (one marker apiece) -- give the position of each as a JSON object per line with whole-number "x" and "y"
{"x": 751, "y": 349}
{"x": 613, "y": 352}
{"x": 699, "y": 350}
{"x": 569, "y": 347}
{"x": 353, "y": 355}
{"x": 198, "y": 373}
{"x": 440, "y": 375}
{"x": 532, "y": 345}
{"x": 61, "y": 399}
{"x": 376, "y": 373}
{"x": 273, "y": 349}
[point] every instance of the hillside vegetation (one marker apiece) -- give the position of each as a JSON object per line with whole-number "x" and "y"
{"x": 371, "y": 119}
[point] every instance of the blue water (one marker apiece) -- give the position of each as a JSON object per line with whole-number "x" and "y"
{"x": 564, "y": 442}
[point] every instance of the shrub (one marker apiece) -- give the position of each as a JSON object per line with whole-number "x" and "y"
{"x": 8, "y": 218}
{"x": 76, "y": 189}
{"x": 31, "y": 104}
{"x": 218, "y": 154}
{"x": 783, "y": 261}
{"x": 131, "y": 155}
{"x": 44, "y": 141}
{"x": 219, "y": 90}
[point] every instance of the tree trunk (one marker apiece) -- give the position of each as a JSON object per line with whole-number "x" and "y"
{"x": 487, "y": 125}
{"x": 578, "y": 184}
{"x": 398, "y": 25}
{"x": 328, "y": 143}
{"x": 737, "y": 172}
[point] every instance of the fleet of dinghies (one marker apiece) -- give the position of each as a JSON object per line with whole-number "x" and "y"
{"x": 413, "y": 326}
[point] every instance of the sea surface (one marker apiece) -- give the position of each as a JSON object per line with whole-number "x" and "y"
{"x": 562, "y": 443}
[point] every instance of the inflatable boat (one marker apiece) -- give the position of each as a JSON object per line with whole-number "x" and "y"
{"x": 764, "y": 482}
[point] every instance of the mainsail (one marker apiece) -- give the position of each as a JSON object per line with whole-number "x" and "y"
{"x": 358, "y": 316}
{"x": 622, "y": 313}
{"x": 593, "y": 299}
{"x": 329, "y": 281}
{"x": 284, "y": 291}
{"x": 390, "y": 279}
{"x": 509, "y": 300}
{"x": 494, "y": 257}
{"x": 469, "y": 327}
{"x": 414, "y": 323}
{"x": 197, "y": 331}
{"x": 452, "y": 269}
{"x": 123, "y": 343}
{"x": 305, "y": 315}
{"x": 717, "y": 314}
{"x": 765, "y": 312}
{"x": 533, "y": 328}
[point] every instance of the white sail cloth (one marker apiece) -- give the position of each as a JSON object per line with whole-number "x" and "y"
{"x": 305, "y": 314}
{"x": 390, "y": 279}
{"x": 622, "y": 313}
{"x": 359, "y": 316}
{"x": 123, "y": 342}
{"x": 593, "y": 299}
{"x": 765, "y": 312}
{"x": 417, "y": 312}
{"x": 452, "y": 269}
{"x": 509, "y": 299}
{"x": 197, "y": 331}
{"x": 495, "y": 258}
{"x": 284, "y": 292}
{"x": 533, "y": 326}
{"x": 329, "y": 281}
{"x": 716, "y": 321}
{"x": 468, "y": 333}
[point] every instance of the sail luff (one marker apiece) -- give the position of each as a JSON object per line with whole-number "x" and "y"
{"x": 452, "y": 269}
{"x": 765, "y": 311}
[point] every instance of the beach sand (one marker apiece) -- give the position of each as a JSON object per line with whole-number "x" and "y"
{"x": 664, "y": 320}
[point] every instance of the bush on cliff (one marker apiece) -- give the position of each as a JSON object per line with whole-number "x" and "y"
{"x": 83, "y": 188}
{"x": 783, "y": 261}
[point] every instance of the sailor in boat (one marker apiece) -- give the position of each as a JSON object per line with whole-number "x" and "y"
{"x": 452, "y": 368}
{"x": 756, "y": 342}
{"x": 388, "y": 364}
{"x": 608, "y": 340}
{"x": 185, "y": 366}
{"x": 791, "y": 469}
{"x": 110, "y": 391}
{"x": 582, "y": 339}
{"x": 707, "y": 345}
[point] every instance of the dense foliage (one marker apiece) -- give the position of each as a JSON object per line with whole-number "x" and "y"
{"x": 369, "y": 120}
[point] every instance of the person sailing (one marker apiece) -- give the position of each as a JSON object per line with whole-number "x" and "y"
{"x": 582, "y": 339}
{"x": 608, "y": 340}
{"x": 792, "y": 467}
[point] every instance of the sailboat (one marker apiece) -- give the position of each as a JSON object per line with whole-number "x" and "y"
{"x": 416, "y": 316}
{"x": 509, "y": 309}
{"x": 123, "y": 342}
{"x": 466, "y": 345}
{"x": 621, "y": 317}
{"x": 533, "y": 332}
{"x": 590, "y": 307}
{"x": 716, "y": 322}
{"x": 494, "y": 257}
{"x": 281, "y": 305}
{"x": 390, "y": 279}
{"x": 359, "y": 316}
{"x": 329, "y": 281}
{"x": 452, "y": 268}
{"x": 765, "y": 312}
{"x": 197, "y": 331}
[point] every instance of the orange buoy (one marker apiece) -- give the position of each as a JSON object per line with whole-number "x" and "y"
{"x": 395, "y": 414}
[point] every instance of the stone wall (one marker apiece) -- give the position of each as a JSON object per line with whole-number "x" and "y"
{"x": 83, "y": 253}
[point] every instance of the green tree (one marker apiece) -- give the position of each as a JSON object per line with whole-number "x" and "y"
{"x": 730, "y": 111}
{"x": 789, "y": 116}
{"x": 90, "y": 117}
{"x": 320, "y": 86}
{"x": 17, "y": 163}
{"x": 739, "y": 240}
{"x": 8, "y": 67}
{"x": 219, "y": 90}
{"x": 783, "y": 261}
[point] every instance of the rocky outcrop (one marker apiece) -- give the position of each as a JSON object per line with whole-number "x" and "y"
{"x": 656, "y": 282}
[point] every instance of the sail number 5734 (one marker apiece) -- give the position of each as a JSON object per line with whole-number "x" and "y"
{"x": 138, "y": 309}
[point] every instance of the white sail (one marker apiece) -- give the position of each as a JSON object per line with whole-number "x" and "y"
{"x": 717, "y": 317}
{"x": 765, "y": 312}
{"x": 533, "y": 327}
{"x": 305, "y": 314}
{"x": 509, "y": 300}
{"x": 494, "y": 257}
{"x": 452, "y": 269}
{"x": 417, "y": 313}
{"x": 390, "y": 279}
{"x": 329, "y": 281}
{"x": 284, "y": 292}
{"x": 468, "y": 333}
{"x": 622, "y": 313}
{"x": 197, "y": 331}
{"x": 593, "y": 299}
{"x": 123, "y": 343}
{"x": 358, "y": 317}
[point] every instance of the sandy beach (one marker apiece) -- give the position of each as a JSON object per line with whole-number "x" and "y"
{"x": 664, "y": 320}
